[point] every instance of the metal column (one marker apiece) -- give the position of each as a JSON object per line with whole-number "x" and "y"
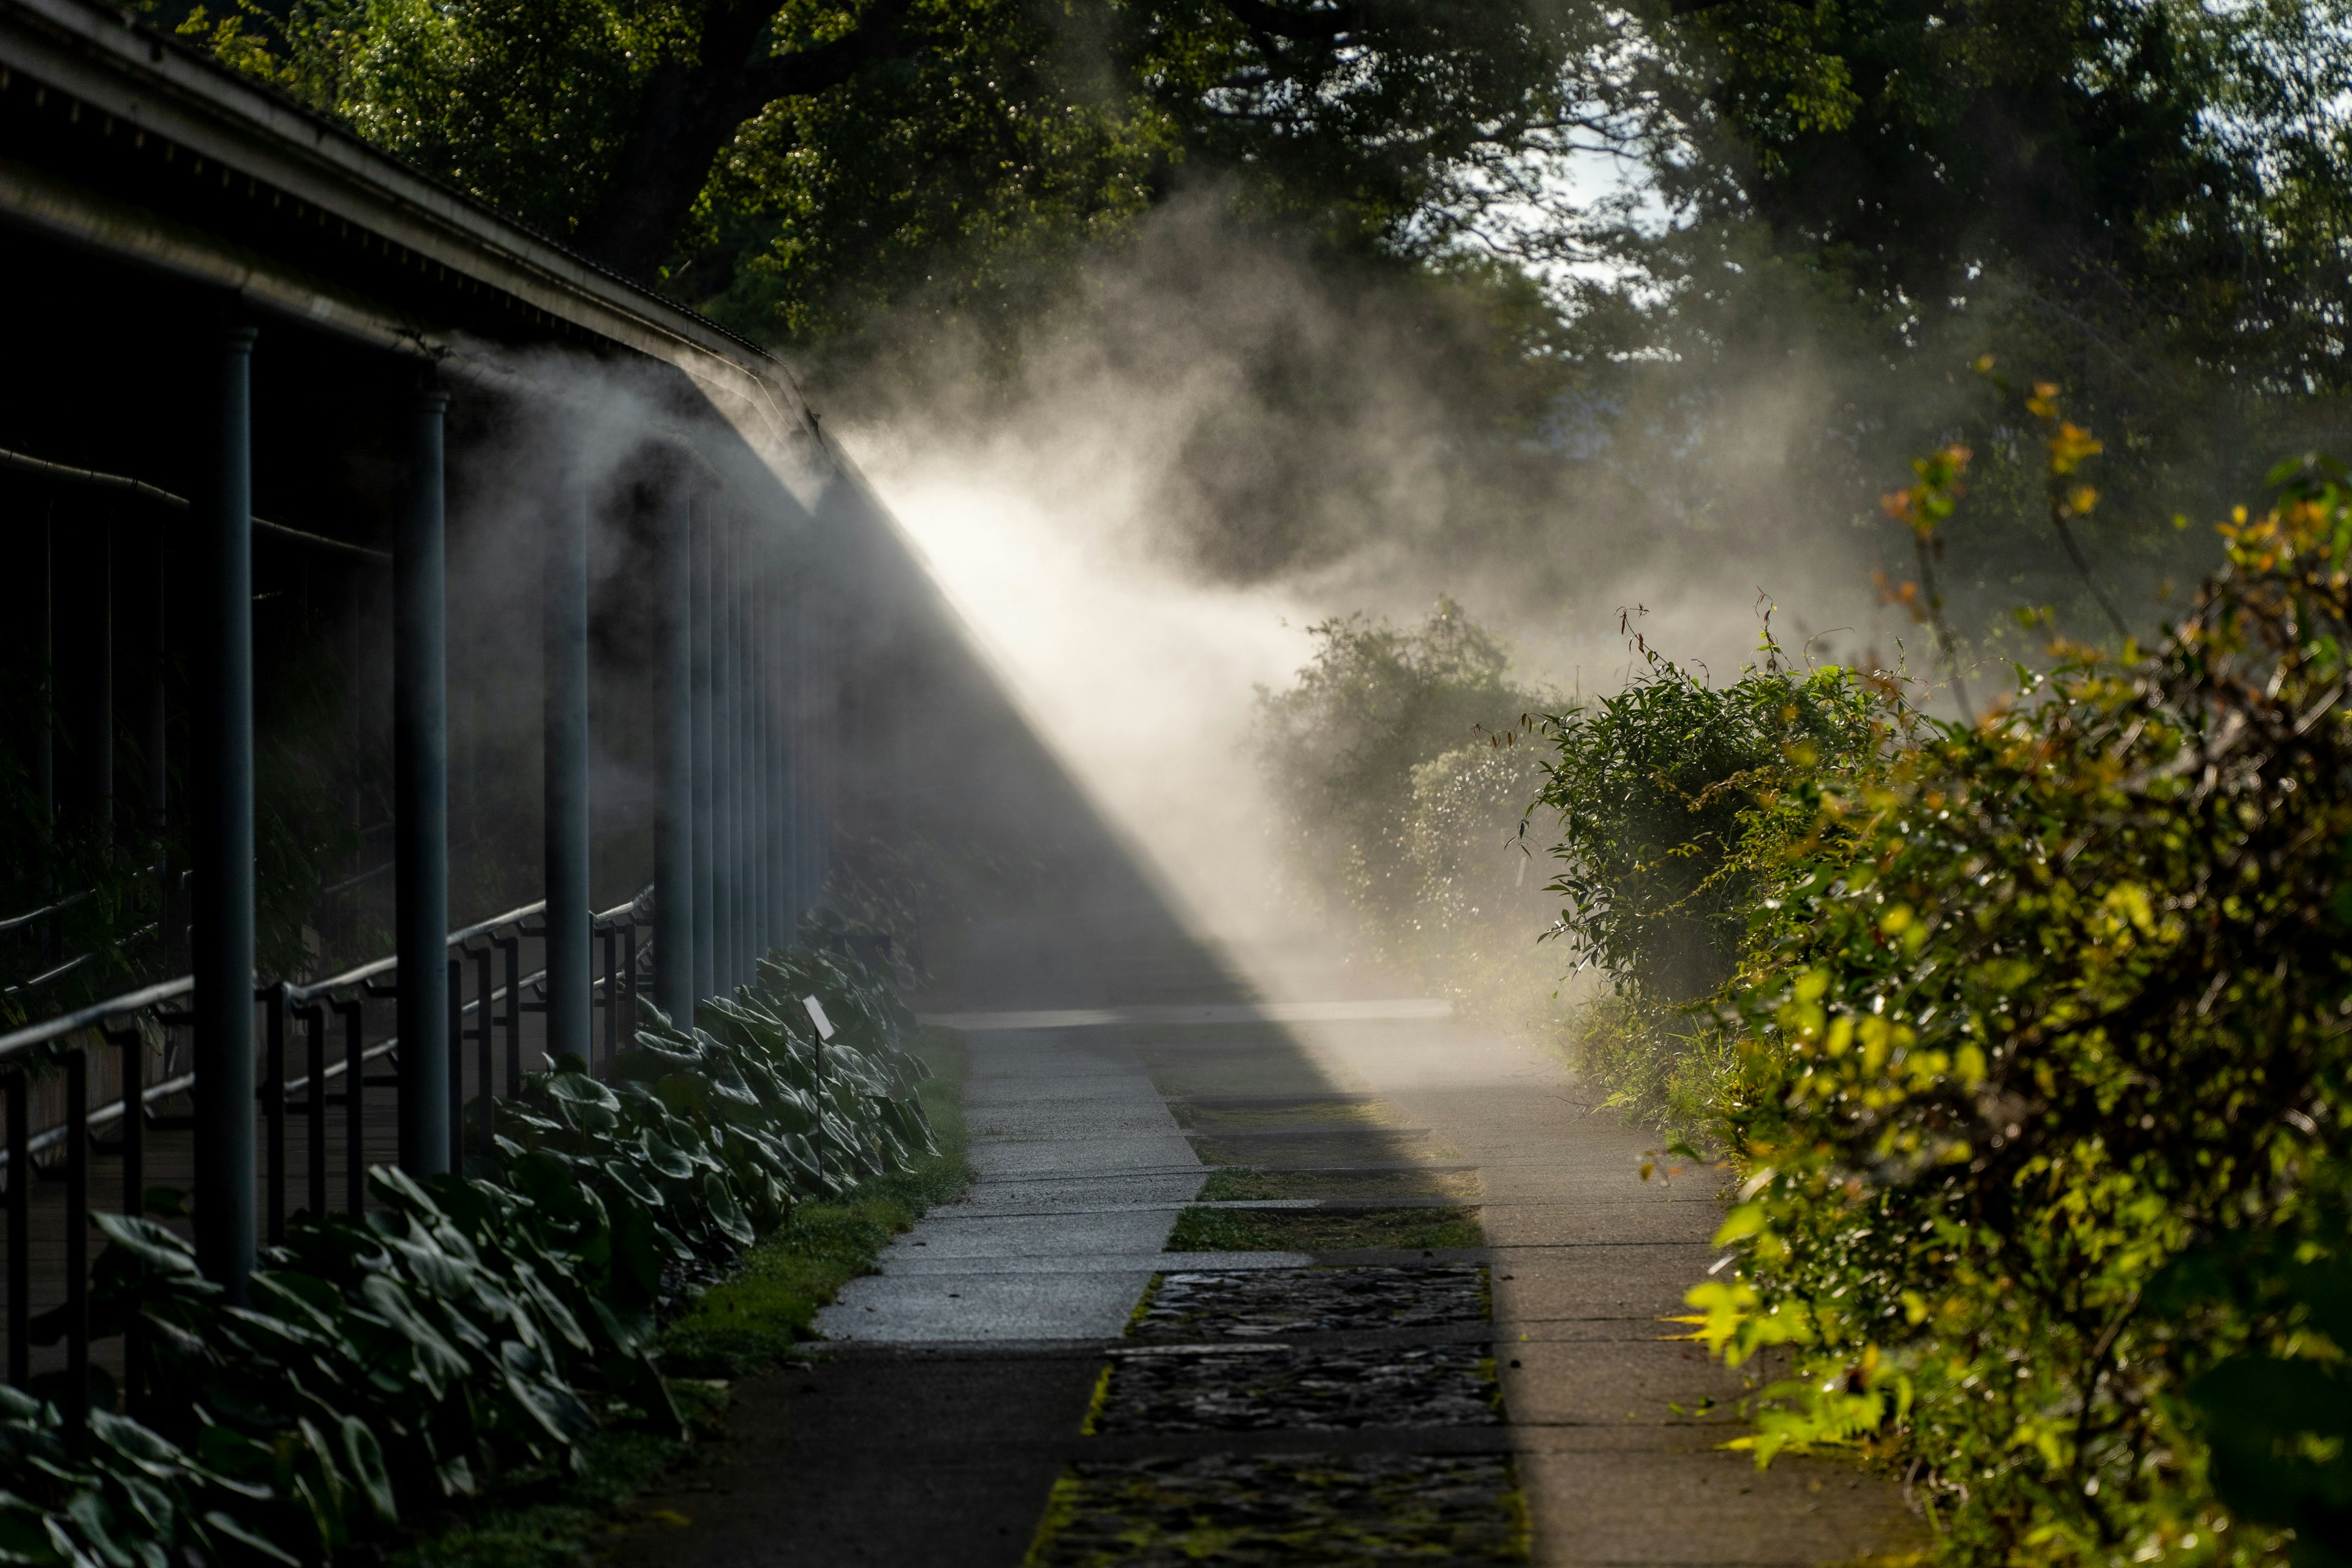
{"x": 786, "y": 750}
{"x": 755, "y": 688}
{"x": 222, "y": 830}
{"x": 102, "y": 750}
{"x": 705, "y": 887}
{"x": 808, "y": 846}
{"x": 420, "y": 749}
{"x": 747, "y": 752}
{"x": 738, "y": 864}
{"x": 674, "y": 897}
{"x": 564, "y": 609}
{"x": 724, "y": 867}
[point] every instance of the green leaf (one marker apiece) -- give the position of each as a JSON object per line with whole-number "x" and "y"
{"x": 362, "y": 1462}
{"x": 162, "y": 1249}
{"x": 437, "y": 1363}
{"x": 579, "y": 1088}
{"x": 536, "y": 1388}
{"x": 625, "y": 1175}
{"x": 665, "y": 1158}
{"x": 724, "y": 1211}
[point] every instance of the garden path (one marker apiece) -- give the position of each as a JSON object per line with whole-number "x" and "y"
{"x": 964, "y": 1413}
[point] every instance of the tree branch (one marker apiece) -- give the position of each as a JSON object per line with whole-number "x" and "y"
{"x": 879, "y": 35}
{"x": 691, "y": 112}
{"x": 1258, "y": 15}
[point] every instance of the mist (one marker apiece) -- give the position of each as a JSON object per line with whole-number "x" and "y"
{"x": 1216, "y": 440}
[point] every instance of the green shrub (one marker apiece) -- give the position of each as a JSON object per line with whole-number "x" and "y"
{"x": 1656, "y": 789}
{"x": 2042, "y": 1095}
{"x": 1339, "y": 749}
{"x": 472, "y": 1333}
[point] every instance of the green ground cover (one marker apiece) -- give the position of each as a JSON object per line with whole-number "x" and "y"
{"x": 1305, "y": 1115}
{"x": 1319, "y": 1230}
{"x": 1230, "y": 1183}
{"x": 759, "y": 1314}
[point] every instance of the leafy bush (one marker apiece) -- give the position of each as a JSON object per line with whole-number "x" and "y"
{"x": 1340, "y": 747}
{"x": 2041, "y": 1098}
{"x": 1656, "y": 788}
{"x": 1395, "y": 771}
{"x": 471, "y": 1333}
{"x": 1659, "y": 795}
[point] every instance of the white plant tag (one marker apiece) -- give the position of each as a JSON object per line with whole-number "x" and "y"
{"x": 816, "y": 1016}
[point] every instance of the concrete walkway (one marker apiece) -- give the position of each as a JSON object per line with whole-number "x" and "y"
{"x": 961, "y": 1373}
{"x": 1618, "y": 1424}
{"x": 1078, "y": 1175}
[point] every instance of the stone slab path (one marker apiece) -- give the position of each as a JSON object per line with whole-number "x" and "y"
{"x": 993, "y": 1396}
{"x": 1078, "y": 1175}
{"x": 1618, "y": 1428}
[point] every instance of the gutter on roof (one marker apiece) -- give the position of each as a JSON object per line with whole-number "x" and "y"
{"x": 152, "y": 87}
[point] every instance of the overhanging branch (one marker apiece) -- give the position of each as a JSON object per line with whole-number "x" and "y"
{"x": 879, "y": 35}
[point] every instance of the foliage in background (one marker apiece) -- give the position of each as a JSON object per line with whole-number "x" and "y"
{"x": 1655, "y": 789}
{"x": 470, "y": 1336}
{"x": 2041, "y": 1090}
{"x": 1398, "y": 806}
{"x": 2030, "y": 1048}
{"x": 2149, "y": 167}
{"x": 1821, "y": 209}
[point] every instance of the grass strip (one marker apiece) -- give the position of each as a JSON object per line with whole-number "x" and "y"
{"x": 1316, "y": 1148}
{"x": 1306, "y": 1115}
{"x": 1230, "y": 1184}
{"x": 1315, "y": 1230}
{"x": 751, "y": 1319}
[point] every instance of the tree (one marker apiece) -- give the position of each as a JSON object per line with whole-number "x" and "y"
{"x": 603, "y": 119}
{"x": 2160, "y": 168}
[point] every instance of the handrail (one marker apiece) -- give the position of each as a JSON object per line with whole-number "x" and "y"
{"x": 25, "y": 462}
{"x": 33, "y": 1035}
{"x": 386, "y": 965}
{"x": 619, "y": 914}
{"x": 59, "y": 972}
{"x": 15, "y": 923}
{"x": 110, "y": 1113}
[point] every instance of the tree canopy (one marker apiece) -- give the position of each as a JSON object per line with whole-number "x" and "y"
{"x": 1837, "y": 204}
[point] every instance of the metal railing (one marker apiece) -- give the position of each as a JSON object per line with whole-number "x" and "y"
{"x": 137, "y": 1022}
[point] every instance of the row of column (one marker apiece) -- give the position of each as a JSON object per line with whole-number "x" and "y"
{"x": 732, "y": 864}
{"x": 734, "y": 839}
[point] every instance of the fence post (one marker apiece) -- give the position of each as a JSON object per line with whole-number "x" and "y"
{"x": 171, "y": 927}
{"x": 273, "y": 1117}
{"x": 778, "y": 699}
{"x": 20, "y": 1240}
{"x": 102, "y": 749}
{"x": 739, "y": 750}
{"x": 420, "y": 743}
{"x": 76, "y": 1400}
{"x": 755, "y": 721}
{"x": 674, "y": 896}
{"x": 565, "y": 624}
{"x": 221, "y": 831}
{"x": 706, "y": 886}
{"x": 723, "y": 869}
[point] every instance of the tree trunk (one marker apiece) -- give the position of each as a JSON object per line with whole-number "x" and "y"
{"x": 689, "y": 113}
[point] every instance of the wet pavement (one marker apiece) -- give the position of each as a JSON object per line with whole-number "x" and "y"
{"x": 1031, "y": 1378}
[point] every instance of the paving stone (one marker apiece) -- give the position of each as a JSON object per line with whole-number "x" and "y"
{"x": 1258, "y": 1304}
{"x": 1249, "y": 1508}
{"x": 1262, "y": 1387}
